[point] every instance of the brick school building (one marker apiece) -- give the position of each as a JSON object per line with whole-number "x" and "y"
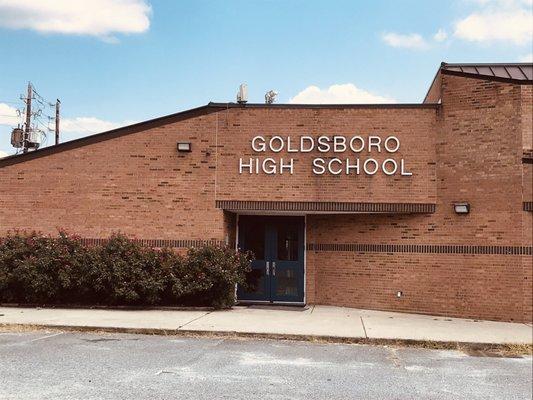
{"x": 422, "y": 208}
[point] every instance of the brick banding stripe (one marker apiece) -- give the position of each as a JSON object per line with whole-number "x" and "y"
{"x": 175, "y": 243}
{"x": 327, "y": 206}
{"x": 528, "y": 206}
{"x": 421, "y": 248}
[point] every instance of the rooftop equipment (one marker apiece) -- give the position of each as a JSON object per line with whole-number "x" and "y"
{"x": 242, "y": 95}
{"x": 270, "y": 96}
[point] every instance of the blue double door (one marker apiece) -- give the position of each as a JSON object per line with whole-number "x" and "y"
{"x": 277, "y": 273}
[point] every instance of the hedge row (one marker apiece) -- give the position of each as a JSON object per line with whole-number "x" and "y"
{"x": 40, "y": 269}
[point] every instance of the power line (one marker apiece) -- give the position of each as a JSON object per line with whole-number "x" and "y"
{"x": 43, "y": 124}
{"x": 29, "y": 136}
{"x": 79, "y": 127}
{"x": 49, "y": 103}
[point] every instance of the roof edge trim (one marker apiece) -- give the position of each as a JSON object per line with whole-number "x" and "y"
{"x": 433, "y": 82}
{"x": 486, "y": 77}
{"x": 325, "y": 106}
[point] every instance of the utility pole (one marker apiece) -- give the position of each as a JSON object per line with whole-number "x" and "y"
{"x": 27, "y": 126}
{"x": 29, "y": 137}
{"x": 58, "y": 103}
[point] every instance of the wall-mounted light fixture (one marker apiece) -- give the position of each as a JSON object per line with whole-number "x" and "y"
{"x": 461, "y": 208}
{"x": 184, "y": 146}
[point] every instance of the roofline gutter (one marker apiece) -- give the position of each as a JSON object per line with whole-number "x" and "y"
{"x": 326, "y": 106}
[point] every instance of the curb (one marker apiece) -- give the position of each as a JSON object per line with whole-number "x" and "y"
{"x": 471, "y": 348}
{"x": 102, "y": 307}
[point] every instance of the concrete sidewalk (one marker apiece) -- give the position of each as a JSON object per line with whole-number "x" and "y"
{"x": 319, "y": 321}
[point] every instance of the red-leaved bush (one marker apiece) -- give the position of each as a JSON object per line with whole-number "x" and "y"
{"x": 38, "y": 269}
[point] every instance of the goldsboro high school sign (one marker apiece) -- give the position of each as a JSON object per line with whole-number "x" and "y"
{"x": 330, "y": 165}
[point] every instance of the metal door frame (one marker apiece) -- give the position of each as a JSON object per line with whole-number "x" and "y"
{"x": 298, "y": 303}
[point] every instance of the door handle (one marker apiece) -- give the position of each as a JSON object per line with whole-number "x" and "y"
{"x": 273, "y": 268}
{"x": 267, "y": 268}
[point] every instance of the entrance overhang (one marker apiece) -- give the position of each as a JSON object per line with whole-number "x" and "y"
{"x": 318, "y": 207}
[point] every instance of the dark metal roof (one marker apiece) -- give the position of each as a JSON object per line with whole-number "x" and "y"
{"x": 509, "y": 72}
{"x": 518, "y": 73}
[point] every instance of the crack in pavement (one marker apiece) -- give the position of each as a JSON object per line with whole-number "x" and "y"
{"x": 194, "y": 319}
{"x": 190, "y": 362}
{"x": 396, "y": 361}
{"x": 39, "y": 338}
{"x": 364, "y": 328}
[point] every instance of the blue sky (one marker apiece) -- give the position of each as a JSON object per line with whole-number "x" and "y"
{"x": 113, "y": 62}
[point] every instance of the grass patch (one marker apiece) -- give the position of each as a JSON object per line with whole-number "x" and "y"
{"x": 471, "y": 349}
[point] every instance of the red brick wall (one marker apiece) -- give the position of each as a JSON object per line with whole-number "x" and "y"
{"x": 479, "y": 151}
{"x": 527, "y": 184}
{"x": 137, "y": 184}
{"x": 479, "y": 160}
{"x": 416, "y": 129}
{"x": 460, "y": 285}
{"x": 470, "y": 286}
{"x": 526, "y": 116}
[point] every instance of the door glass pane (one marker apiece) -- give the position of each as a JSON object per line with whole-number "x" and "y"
{"x": 287, "y": 283}
{"x": 288, "y": 242}
{"x": 254, "y": 238}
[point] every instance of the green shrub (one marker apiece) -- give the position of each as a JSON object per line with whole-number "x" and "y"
{"x": 213, "y": 272}
{"x": 38, "y": 269}
{"x": 61, "y": 270}
{"x": 126, "y": 273}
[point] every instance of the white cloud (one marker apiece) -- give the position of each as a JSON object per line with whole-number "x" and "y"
{"x": 527, "y": 58}
{"x": 75, "y": 128}
{"x": 8, "y": 115}
{"x": 89, "y": 125}
{"x": 70, "y": 128}
{"x": 440, "y": 36}
{"x": 101, "y": 18}
{"x": 498, "y": 20}
{"x": 508, "y": 21}
{"x": 409, "y": 41}
{"x": 346, "y": 93}
{"x": 3, "y": 154}
{"x": 502, "y": 3}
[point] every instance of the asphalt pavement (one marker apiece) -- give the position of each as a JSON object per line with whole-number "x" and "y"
{"x": 60, "y": 365}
